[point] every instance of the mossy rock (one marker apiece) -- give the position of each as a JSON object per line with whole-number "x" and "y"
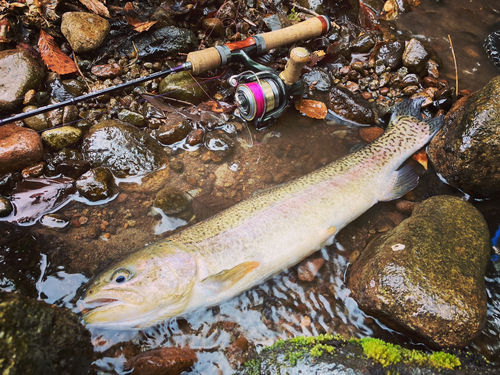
{"x": 182, "y": 86}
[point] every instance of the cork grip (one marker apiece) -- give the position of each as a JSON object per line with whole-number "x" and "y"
{"x": 298, "y": 58}
{"x": 311, "y": 28}
{"x": 204, "y": 60}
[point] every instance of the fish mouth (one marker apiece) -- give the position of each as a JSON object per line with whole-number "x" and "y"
{"x": 87, "y": 306}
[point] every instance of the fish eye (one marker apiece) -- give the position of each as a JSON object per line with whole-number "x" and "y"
{"x": 121, "y": 275}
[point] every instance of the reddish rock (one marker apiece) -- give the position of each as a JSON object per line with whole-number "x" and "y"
{"x": 308, "y": 270}
{"x": 161, "y": 361}
{"x": 107, "y": 70}
{"x": 195, "y": 137}
{"x": 19, "y": 148}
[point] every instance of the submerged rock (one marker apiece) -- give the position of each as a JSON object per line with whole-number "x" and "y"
{"x": 84, "y": 31}
{"x": 349, "y": 106}
{"x": 97, "y": 184}
{"x": 59, "y": 138}
{"x": 466, "y": 151}
{"x": 5, "y": 207}
{"x": 171, "y": 200}
{"x": 122, "y": 148}
{"x": 19, "y": 72}
{"x": 427, "y": 274}
{"x": 38, "y": 338}
{"x": 19, "y": 148}
{"x": 172, "y": 361}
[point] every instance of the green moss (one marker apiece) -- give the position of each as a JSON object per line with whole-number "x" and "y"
{"x": 381, "y": 352}
{"x": 293, "y": 16}
{"x": 389, "y": 354}
{"x": 444, "y": 360}
{"x": 253, "y": 367}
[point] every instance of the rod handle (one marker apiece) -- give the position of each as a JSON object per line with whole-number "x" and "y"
{"x": 298, "y": 58}
{"x": 211, "y": 58}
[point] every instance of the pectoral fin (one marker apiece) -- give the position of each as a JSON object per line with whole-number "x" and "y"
{"x": 227, "y": 278}
{"x": 402, "y": 182}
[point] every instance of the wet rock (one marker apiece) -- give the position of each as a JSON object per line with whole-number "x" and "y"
{"x": 219, "y": 144}
{"x": 19, "y": 73}
{"x": 59, "y": 138}
{"x": 236, "y": 351}
{"x": 165, "y": 41}
{"x": 172, "y": 132}
{"x": 122, "y": 148}
{"x": 8, "y": 182}
{"x": 84, "y": 31}
{"x": 38, "y": 338}
{"x": 97, "y": 184}
{"x": 308, "y": 270}
{"x": 70, "y": 114}
{"x": 427, "y": 274}
{"x": 182, "y": 86}
{"x": 172, "y": 361}
{"x": 195, "y": 137}
{"x": 54, "y": 221}
{"x": 106, "y": 71}
{"x": 38, "y": 122}
{"x": 318, "y": 78}
{"x": 466, "y": 151}
{"x": 34, "y": 197}
{"x": 171, "y": 200}
{"x": 415, "y": 55}
{"x": 363, "y": 43}
{"x": 391, "y": 53}
{"x": 213, "y": 27}
{"x": 19, "y": 148}
{"x": 133, "y": 118}
{"x": 5, "y": 207}
{"x": 349, "y": 106}
{"x": 73, "y": 87}
{"x": 33, "y": 170}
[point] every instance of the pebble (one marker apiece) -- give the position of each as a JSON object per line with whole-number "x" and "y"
{"x": 195, "y": 137}
{"x": 97, "y": 184}
{"x": 38, "y": 122}
{"x": 132, "y": 118}
{"x": 172, "y": 361}
{"x": 5, "y": 207}
{"x": 415, "y": 55}
{"x": 62, "y": 137}
{"x": 173, "y": 132}
{"x": 171, "y": 200}
{"x": 85, "y": 32}
{"x": 19, "y": 148}
{"x": 308, "y": 270}
{"x": 106, "y": 71}
{"x": 213, "y": 27}
{"x": 34, "y": 170}
{"x": 17, "y": 63}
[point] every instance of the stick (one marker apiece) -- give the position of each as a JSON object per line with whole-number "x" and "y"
{"x": 456, "y": 69}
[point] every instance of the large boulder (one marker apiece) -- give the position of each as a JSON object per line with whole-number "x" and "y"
{"x": 19, "y": 72}
{"x": 38, "y": 338}
{"x": 427, "y": 274}
{"x": 466, "y": 151}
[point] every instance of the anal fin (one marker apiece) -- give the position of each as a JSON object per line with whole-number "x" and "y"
{"x": 227, "y": 278}
{"x": 403, "y": 181}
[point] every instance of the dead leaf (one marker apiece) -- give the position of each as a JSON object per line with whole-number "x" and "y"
{"x": 53, "y": 57}
{"x": 312, "y": 108}
{"x": 316, "y": 56}
{"x": 218, "y": 107}
{"x": 144, "y": 26}
{"x": 97, "y": 7}
{"x": 421, "y": 158}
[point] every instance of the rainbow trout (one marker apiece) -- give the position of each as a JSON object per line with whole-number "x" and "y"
{"x": 229, "y": 253}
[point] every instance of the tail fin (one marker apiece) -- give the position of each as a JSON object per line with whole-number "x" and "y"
{"x": 408, "y": 107}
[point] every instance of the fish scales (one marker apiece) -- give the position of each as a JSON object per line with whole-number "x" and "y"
{"x": 259, "y": 237}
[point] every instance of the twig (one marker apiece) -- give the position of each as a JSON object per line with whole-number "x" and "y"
{"x": 313, "y": 13}
{"x": 455, "y": 62}
{"x": 136, "y": 56}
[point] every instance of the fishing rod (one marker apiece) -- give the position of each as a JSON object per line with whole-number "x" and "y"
{"x": 211, "y": 58}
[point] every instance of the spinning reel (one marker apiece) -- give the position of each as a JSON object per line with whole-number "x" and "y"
{"x": 265, "y": 94}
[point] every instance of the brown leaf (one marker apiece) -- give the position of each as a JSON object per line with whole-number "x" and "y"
{"x": 218, "y": 107}
{"x": 131, "y": 14}
{"x": 53, "y": 57}
{"x": 143, "y": 26}
{"x": 421, "y": 158}
{"x": 97, "y": 7}
{"x": 316, "y": 56}
{"x": 312, "y": 108}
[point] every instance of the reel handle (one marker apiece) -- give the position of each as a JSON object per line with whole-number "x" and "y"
{"x": 214, "y": 57}
{"x": 298, "y": 58}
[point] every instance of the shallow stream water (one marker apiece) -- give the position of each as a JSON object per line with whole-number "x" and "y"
{"x": 52, "y": 265}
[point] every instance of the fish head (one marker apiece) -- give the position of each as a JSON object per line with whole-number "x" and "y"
{"x": 142, "y": 289}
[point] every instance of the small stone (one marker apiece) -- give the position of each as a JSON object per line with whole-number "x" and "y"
{"x": 415, "y": 55}
{"x": 171, "y": 200}
{"x": 132, "y": 118}
{"x": 84, "y": 31}
{"x": 61, "y": 137}
{"x": 305, "y": 322}
{"x": 405, "y": 206}
{"x": 83, "y": 220}
{"x": 308, "y": 269}
{"x": 171, "y": 361}
{"x": 220, "y": 145}
{"x": 54, "y": 221}
{"x": 34, "y": 170}
{"x": 173, "y": 132}
{"x": 97, "y": 184}
{"x": 70, "y": 114}
{"x": 410, "y": 90}
{"x": 213, "y": 27}
{"x": 38, "y": 122}
{"x": 106, "y": 71}
{"x": 19, "y": 148}
{"x": 5, "y": 207}
{"x": 131, "y": 223}
{"x": 195, "y": 137}
{"x": 177, "y": 166}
